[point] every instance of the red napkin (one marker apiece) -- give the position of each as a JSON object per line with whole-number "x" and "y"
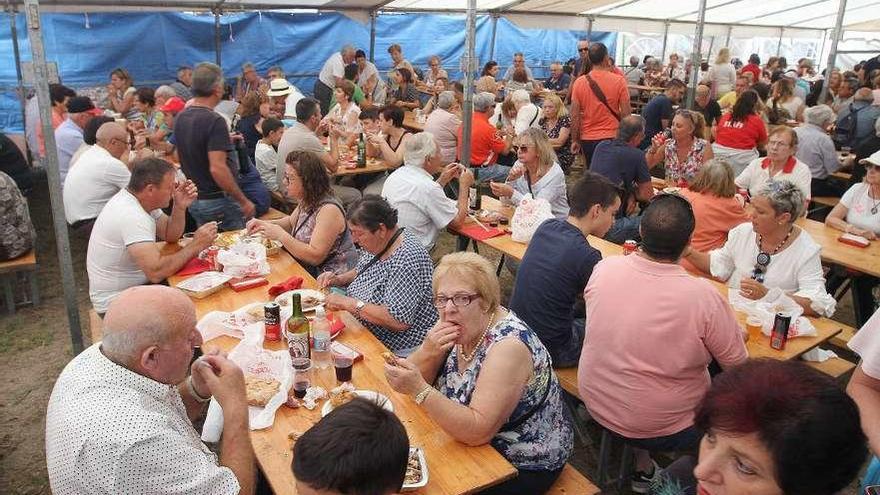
{"x": 336, "y": 324}
{"x": 481, "y": 234}
{"x": 292, "y": 283}
{"x": 194, "y": 266}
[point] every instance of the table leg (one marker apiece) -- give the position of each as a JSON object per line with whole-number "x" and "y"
{"x": 500, "y": 266}
{"x": 462, "y": 243}
{"x": 8, "y": 294}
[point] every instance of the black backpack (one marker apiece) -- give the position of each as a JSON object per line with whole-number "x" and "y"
{"x": 846, "y": 130}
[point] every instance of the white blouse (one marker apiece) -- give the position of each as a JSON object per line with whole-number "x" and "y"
{"x": 550, "y": 187}
{"x": 349, "y": 120}
{"x": 858, "y": 208}
{"x": 796, "y": 270}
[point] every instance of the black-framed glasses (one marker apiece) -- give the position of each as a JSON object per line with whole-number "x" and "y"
{"x": 583, "y": 49}
{"x": 458, "y": 300}
{"x": 522, "y": 147}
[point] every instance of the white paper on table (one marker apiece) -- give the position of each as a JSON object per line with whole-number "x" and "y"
{"x": 818, "y": 355}
{"x": 766, "y": 310}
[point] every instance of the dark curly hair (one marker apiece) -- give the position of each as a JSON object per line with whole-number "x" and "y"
{"x": 316, "y": 182}
{"x": 371, "y": 211}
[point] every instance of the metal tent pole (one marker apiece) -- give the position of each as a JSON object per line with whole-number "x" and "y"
{"x": 590, "y": 20}
{"x": 217, "y": 36}
{"x": 779, "y": 45}
{"x": 65, "y": 262}
{"x": 373, "y": 15}
{"x": 729, "y": 33}
{"x": 696, "y": 57}
{"x": 836, "y": 36}
{"x": 665, "y": 40}
{"x": 21, "y": 96}
{"x": 492, "y": 42}
{"x": 821, "y": 50}
{"x": 467, "y": 109}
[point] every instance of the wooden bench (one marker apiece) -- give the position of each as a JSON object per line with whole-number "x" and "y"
{"x": 834, "y": 367}
{"x": 842, "y": 339}
{"x": 827, "y": 201}
{"x": 568, "y": 379}
{"x": 572, "y": 482}
{"x": 11, "y": 272}
{"x": 96, "y": 326}
{"x": 273, "y": 214}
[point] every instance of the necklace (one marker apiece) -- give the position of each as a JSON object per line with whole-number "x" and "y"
{"x": 764, "y": 257}
{"x": 876, "y": 204}
{"x": 468, "y": 358}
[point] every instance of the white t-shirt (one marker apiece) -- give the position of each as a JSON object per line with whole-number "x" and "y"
{"x": 334, "y": 67}
{"x": 89, "y": 186}
{"x": 349, "y": 120}
{"x": 291, "y": 101}
{"x": 858, "y": 205}
{"x": 529, "y": 115}
{"x": 866, "y": 343}
{"x": 111, "y": 268}
{"x": 421, "y": 205}
{"x": 791, "y": 106}
{"x": 756, "y": 175}
{"x": 797, "y": 269}
{"x": 267, "y": 159}
{"x": 550, "y": 187}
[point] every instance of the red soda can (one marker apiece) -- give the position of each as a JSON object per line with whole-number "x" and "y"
{"x": 779, "y": 334}
{"x": 629, "y": 247}
{"x": 211, "y": 257}
{"x": 272, "y": 321}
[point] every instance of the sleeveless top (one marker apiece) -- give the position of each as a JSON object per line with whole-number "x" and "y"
{"x": 394, "y": 148}
{"x": 675, "y": 169}
{"x": 342, "y": 255}
{"x": 543, "y": 442}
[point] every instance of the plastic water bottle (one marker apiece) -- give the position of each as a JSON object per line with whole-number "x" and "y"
{"x": 321, "y": 340}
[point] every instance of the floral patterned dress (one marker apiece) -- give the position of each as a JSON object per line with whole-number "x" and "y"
{"x": 543, "y": 442}
{"x": 563, "y": 153}
{"x": 677, "y": 170}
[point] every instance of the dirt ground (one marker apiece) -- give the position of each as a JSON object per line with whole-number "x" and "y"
{"x": 35, "y": 346}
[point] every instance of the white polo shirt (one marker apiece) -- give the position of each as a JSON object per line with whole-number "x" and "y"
{"x": 422, "y": 206}
{"x": 97, "y": 177}
{"x": 757, "y": 173}
{"x": 334, "y": 67}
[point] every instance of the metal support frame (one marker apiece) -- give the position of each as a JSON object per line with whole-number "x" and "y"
{"x": 590, "y": 21}
{"x": 373, "y": 15}
{"x": 666, "y": 25}
{"x": 22, "y": 98}
{"x": 468, "y": 107}
{"x": 821, "y": 50}
{"x": 65, "y": 262}
{"x": 217, "y": 49}
{"x": 779, "y": 44}
{"x": 696, "y": 57}
{"x": 729, "y": 34}
{"x": 711, "y": 45}
{"x": 836, "y": 36}
{"x": 492, "y": 39}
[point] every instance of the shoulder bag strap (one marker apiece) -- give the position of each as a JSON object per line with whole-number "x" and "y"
{"x": 384, "y": 250}
{"x": 514, "y": 424}
{"x": 601, "y": 96}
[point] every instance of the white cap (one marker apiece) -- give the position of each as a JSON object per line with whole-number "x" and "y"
{"x": 874, "y": 159}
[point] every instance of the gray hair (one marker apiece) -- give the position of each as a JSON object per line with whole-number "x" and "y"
{"x": 348, "y": 47}
{"x": 276, "y": 68}
{"x": 418, "y": 148}
{"x": 182, "y": 69}
{"x": 819, "y": 115}
{"x": 165, "y": 91}
{"x": 445, "y": 100}
{"x": 520, "y": 96}
{"x": 864, "y": 94}
{"x": 633, "y": 60}
{"x": 206, "y": 78}
{"x": 483, "y": 102}
{"x": 630, "y": 126}
{"x": 784, "y": 197}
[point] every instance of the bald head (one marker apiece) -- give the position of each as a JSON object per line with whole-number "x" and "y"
{"x": 111, "y": 130}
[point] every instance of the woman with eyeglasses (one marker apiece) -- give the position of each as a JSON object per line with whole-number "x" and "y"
{"x": 781, "y": 163}
{"x": 684, "y": 153}
{"x": 484, "y": 376}
{"x": 536, "y": 172}
{"x": 389, "y": 290}
{"x": 740, "y": 133}
{"x": 557, "y": 124}
{"x": 771, "y": 256}
{"x": 435, "y": 71}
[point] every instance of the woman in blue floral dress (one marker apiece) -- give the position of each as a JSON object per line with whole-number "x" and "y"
{"x": 483, "y": 375}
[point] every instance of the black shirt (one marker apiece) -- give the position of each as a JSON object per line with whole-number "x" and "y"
{"x": 658, "y": 109}
{"x": 13, "y": 163}
{"x": 712, "y": 112}
{"x": 198, "y": 130}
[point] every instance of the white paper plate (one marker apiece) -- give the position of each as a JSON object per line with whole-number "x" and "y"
{"x": 424, "y": 481}
{"x": 366, "y": 394}
{"x": 284, "y": 299}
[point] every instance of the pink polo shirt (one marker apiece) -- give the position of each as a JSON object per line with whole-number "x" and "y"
{"x": 652, "y": 330}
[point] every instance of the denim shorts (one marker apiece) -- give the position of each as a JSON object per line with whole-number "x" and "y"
{"x": 222, "y": 210}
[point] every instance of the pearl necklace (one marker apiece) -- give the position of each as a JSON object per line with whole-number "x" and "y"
{"x": 468, "y": 358}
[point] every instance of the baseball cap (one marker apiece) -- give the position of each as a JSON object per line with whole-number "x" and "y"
{"x": 173, "y": 105}
{"x": 874, "y": 159}
{"x": 82, "y": 104}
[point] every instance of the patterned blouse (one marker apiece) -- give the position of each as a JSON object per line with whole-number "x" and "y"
{"x": 544, "y": 441}
{"x": 677, "y": 170}
{"x": 563, "y": 153}
{"x": 409, "y": 95}
{"x": 402, "y": 283}
{"x": 342, "y": 255}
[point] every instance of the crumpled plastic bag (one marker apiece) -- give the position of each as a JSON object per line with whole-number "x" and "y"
{"x": 244, "y": 259}
{"x": 818, "y": 355}
{"x": 766, "y": 310}
{"x": 254, "y": 360}
{"x": 529, "y": 214}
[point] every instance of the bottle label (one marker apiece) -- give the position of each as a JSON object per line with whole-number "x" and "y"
{"x": 472, "y": 198}
{"x": 321, "y": 344}
{"x": 298, "y": 345}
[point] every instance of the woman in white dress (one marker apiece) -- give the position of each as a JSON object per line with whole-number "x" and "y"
{"x": 722, "y": 74}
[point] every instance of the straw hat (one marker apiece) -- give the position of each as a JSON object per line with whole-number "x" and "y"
{"x": 279, "y": 87}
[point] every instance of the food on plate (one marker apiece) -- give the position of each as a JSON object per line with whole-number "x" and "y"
{"x": 257, "y": 312}
{"x": 340, "y": 397}
{"x": 413, "y": 468}
{"x": 226, "y": 239}
{"x": 389, "y": 358}
{"x": 260, "y": 390}
{"x": 311, "y": 300}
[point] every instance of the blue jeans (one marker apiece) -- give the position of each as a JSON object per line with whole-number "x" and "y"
{"x": 623, "y": 229}
{"x": 222, "y": 210}
{"x": 570, "y": 355}
{"x": 497, "y": 173}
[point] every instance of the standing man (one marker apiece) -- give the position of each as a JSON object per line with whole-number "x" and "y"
{"x": 599, "y": 100}
{"x": 519, "y": 62}
{"x": 184, "y": 80}
{"x": 659, "y": 111}
{"x": 69, "y": 135}
{"x": 331, "y": 76}
{"x": 202, "y": 139}
{"x": 582, "y": 64}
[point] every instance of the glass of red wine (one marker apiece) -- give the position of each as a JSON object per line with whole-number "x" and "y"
{"x": 343, "y": 366}
{"x": 302, "y": 376}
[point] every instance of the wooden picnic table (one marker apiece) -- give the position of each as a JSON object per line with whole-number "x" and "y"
{"x": 373, "y": 165}
{"x": 758, "y": 346}
{"x": 863, "y": 260}
{"x": 453, "y": 467}
{"x": 645, "y": 88}
{"x": 410, "y": 122}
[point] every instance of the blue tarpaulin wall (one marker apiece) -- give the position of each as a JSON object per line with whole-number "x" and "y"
{"x": 151, "y": 46}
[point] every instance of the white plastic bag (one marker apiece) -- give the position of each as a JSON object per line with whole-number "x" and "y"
{"x": 766, "y": 310}
{"x": 244, "y": 259}
{"x": 529, "y": 214}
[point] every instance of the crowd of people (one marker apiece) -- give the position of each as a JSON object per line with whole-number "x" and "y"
{"x": 202, "y": 156}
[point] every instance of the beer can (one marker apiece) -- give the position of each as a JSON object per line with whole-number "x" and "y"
{"x": 272, "y": 321}
{"x": 629, "y": 247}
{"x": 779, "y": 335}
{"x": 211, "y": 257}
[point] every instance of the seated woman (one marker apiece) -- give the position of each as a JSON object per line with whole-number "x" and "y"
{"x": 784, "y": 105}
{"x": 343, "y": 117}
{"x": 771, "y": 255}
{"x": 740, "y": 133}
{"x": 406, "y": 96}
{"x": 438, "y": 87}
{"x": 520, "y": 80}
{"x": 781, "y": 163}
{"x": 685, "y": 152}
{"x": 389, "y": 143}
{"x": 557, "y": 125}
{"x": 120, "y": 94}
{"x": 389, "y": 291}
{"x": 315, "y": 233}
{"x": 757, "y": 418}
{"x": 145, "y": 103}
{"x": 536, "y": 173}
{"x": 487, "y": 83}
{"x": 484, "y": 376}
{"x": 717, "y": 210}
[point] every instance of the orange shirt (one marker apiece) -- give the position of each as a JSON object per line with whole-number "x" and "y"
{"x": 596, "y": 120}
{"x": 486, "y": 143}
{"x": 714, "y": 218}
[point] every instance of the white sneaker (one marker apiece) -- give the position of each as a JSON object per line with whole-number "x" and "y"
{"x": 641, "y": 482}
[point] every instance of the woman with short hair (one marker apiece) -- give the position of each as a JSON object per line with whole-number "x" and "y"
{"x": 740, "y": 133}
{"x": 527, "y": 113}
{"x": 781, "y": 163}
{"x": 685, "y": 152}
{"x": 520, "y": 80}
{"x": 485, "y": 377}
{"x": 145, "y": 102}
{"x": 343, "y": 117}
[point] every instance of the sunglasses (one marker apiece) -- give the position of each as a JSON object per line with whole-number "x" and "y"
{"x": 523, "y": 147}
{"x": 583, "y": 49}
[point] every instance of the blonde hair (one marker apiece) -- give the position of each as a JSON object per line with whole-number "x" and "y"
{"x": 553, "y": 98}
{"x": 543, "y": 148}
{"x": 715, "y": 178}
{"x": 723, "y": 56}
{"x": 475, "y": 270}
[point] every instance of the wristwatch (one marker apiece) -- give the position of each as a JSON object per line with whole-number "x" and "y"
{"x": 359, "y": 305}
{"x": 421, "y": 396}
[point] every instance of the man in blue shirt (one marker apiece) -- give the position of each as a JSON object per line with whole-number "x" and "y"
{"x": 557, "y": 265}
{"x": 69, "y": 135}
{"x": 659, "y": 111}
{"x": 559, "y": 82}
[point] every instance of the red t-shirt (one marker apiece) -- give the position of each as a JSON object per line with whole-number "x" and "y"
{"x": 486, "y": 143}
{"x": 597, "y": 122}
{"x": 740, "y": 135}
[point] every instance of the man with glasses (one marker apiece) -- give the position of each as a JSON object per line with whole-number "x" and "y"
{"x": 583, "y": 61}
{"x": 559, "y": 82}
{"x": 779, "y": 164}
{"x": 519, "y": 62}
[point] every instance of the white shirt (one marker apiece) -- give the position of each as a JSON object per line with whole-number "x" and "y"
{"x": 349, "y": 120}
{"x": 334, "y": 67}
{"x": 111, "y": 430}
{"x": 291, "y": 101}
{"x": 90, "y": 185}
{"x": 421, "y": 205}
{"x": 528, "y": 115}
{"x": 444, "y": 126}
{"x": 267, "y": 159}
{"x": 796, "y": 269}
{"x": 76, "y": 156}
{"x": 858, "y": 208}
{"x": 866, "y": 343}
{"x": 755, "y": 176}
{"x": 550, "y": 187}
{"x": 122, "y": 222}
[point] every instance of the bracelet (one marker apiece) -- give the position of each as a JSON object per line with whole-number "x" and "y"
{"x": 193, "y": 393}
{"x": 423, "y": 395}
